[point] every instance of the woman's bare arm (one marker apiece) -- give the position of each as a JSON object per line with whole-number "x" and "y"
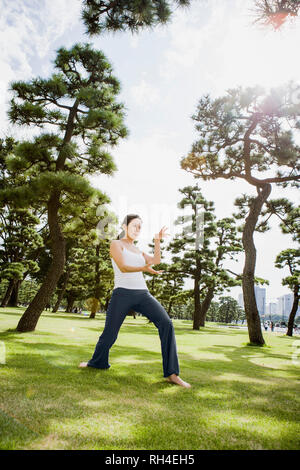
{"x": 116, "y": 253}
{"x": 156, "y": 258}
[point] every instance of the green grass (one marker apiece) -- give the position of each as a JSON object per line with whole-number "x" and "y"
{"x": 242, "y": 397}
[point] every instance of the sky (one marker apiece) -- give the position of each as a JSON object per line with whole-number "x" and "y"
{"x": 207, "y": 48}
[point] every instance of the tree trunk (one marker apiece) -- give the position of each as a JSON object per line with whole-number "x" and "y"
{"x": 252, "y": 315}
{"x": 13, "y": 301}
{"x": 8, "y": 293}
{"x": 70, "y": 303}
{"x": 33, "y": 312}
{"x": 132, "y": 312}
{"x": 226, "y": 313}
{"x": 170, "y": 307}
{"x": 206, "y": 304}
{"x": 293, "y": 312}
{"x": 197, "y": 321}
{"x": 197, "y": 307}
{"x": 94, "y": 307}
{"x": 62, "y": 291}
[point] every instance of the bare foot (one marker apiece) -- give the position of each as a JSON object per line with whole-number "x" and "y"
{"x": 175, "y": 379}
{"x": 83, "y": 364}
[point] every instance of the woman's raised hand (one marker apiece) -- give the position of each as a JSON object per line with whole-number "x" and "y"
{"x": 161, "y": 234}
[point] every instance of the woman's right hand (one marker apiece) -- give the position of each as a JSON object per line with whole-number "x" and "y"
{"x": 148, "y": 269}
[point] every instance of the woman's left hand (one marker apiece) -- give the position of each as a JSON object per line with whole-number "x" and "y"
{"x": 161, "y": 234}
{"x": 153, "y": 271}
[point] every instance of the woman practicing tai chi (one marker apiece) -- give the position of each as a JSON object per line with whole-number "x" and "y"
{"x": 131, "y": 292}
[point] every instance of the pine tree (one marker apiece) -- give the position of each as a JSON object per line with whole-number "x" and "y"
{"x": 20, "y": 238}
{"x": 88, "y": 251}
{"x": 275, "y": 12}
{"x": 289, "y": 216}
{"x": 242, "y": 135}
{"x": 198, "y": 260}
{"x": 100, "y": 16}
{"x": 229, "y": 310}
{"x": 290, "y": 258}
{"x": 79, "y": 103}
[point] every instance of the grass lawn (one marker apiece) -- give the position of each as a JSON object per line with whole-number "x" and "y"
{"x": 242, "y": 397}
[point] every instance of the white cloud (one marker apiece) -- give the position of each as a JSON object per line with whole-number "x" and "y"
{"x": 144, "y": 93}
{"x": 28, "y": 31}
{"x": 134, "y": 40}
{"x": 228, "y": 50}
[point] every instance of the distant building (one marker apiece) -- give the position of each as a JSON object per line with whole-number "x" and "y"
{"x": 260, "y": 296}
{"x": 280, "y": 305}
{"x": 285, "y": 304}
{"x": 271, "y": 308}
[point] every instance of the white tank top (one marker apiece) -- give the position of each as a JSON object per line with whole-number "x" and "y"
{"x": 133, "y": 280}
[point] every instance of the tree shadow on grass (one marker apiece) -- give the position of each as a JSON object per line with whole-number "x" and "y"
{"x": 70, "y": 316}
{"x": 233, "y": 353}
{"x": 135, "y": 328}
{"x": 13, "y": 333}
{"x": 13, "y": 431}
{"x": 241, "y": 360}
{"x": 150, "y": 328}
{"x": 128, "y": 395}
{"x": 52, "y": 315}
{"x": 297, "y": 338}
{"x": 131, "y": 406}
{"x": 67, "y": 353}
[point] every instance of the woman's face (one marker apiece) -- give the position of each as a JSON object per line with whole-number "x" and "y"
{"x": 133, "y": 229}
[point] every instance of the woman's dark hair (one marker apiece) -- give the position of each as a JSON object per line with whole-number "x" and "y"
{"x": 127, "y": 219}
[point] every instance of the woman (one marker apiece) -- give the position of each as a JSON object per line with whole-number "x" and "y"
{"x": 131, "y": 292}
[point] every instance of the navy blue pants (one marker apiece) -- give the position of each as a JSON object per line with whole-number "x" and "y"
{"x": 140, "y": 300}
